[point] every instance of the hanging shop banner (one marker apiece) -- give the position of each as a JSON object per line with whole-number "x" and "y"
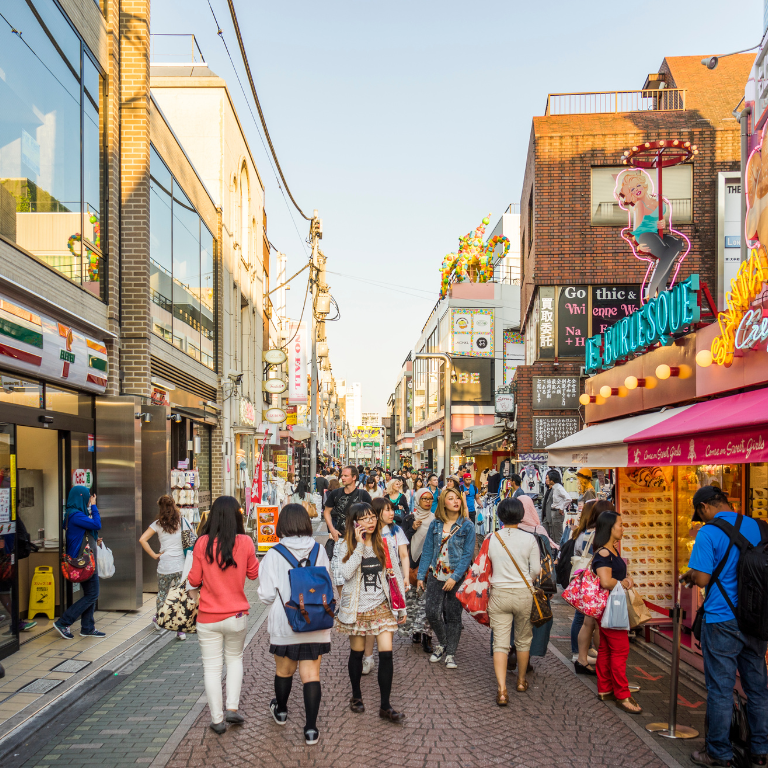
{"x": 297, "y": 363}
{"x": 42, "y": 346}
{"x": 274, "y": 415}
{"x": 274, "y": 356}
{"x": 572, "y": 320}
{"x": 505, "y": 402}
{"x": 247, "y": 413}
{"x": 555, "y": 393}
{"x": 274, "y": 386}
{"x": 611, "y": 304}
{"x": 472, "y": 332}
{"x": 670, "y": 314}
{"x": 265, "y": 521}
{"x": 290, "y": 415}
{"x": 550, "y": 429}
{"x": 546, "y": 322}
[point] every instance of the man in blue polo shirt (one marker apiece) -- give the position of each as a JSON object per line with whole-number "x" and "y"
{"x": 725, "y": 648}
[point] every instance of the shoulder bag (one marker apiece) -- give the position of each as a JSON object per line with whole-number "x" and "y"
{"x": 582, "y": 561}
{"x": 179, "y": 611}
{"x": 396, "y": 599}
{"x": 474, "y": 592}
{"x": 80, "y": 568}
{"x": 541, "y": 612}
{"x": 585, "y": 594}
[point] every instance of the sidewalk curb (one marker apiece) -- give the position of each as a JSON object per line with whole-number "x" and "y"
{"x": 35, "y": 721}
{"x": 166, "y": 753}
{"x": 639, "y": 731}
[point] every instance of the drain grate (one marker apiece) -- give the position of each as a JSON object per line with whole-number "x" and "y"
{"x": 41, "y": 685}
{"x": 71, "y": 666}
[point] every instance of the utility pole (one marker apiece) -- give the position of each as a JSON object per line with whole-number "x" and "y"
{"x": 315, "y": 233}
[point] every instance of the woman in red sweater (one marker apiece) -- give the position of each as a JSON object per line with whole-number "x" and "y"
{"x": 223, "y": 557}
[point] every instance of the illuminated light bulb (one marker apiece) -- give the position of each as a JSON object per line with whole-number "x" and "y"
{"x": 634, "y": 149}
{"x": 624, "y": 162}
{"x": 704, "y": 358}
{"x": 630, "y": 382}
{"x": 684, "y": 372}
{"x": 650, "y": 382}
{"x": 693, "y": 147}
{"x": 599, "y": 400}
{"x": 605, "y": 391}
{"x": 663, "y": 371}
{"x": 647, "y": 143}
{"x": 675, "y": 142}
{"x": 661, "y": 143}
{"x": 687, "y": 144}
{"x": 626, "y": 153}
{"x": 585, "y": 399}
{"x": 622, "y": 391}
{"x": 695, "y": 151}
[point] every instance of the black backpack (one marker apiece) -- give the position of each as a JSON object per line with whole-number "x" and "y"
{"x": 751, "y": 611}
{"x": 563, "y": 565}
{"x": 24, "y": 545}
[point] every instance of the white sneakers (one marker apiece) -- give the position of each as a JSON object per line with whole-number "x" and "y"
{"x": 438, "y": 654}
{"x": 368, "y": 665}
{"x": 450, "y": 663}
{"x": 181, "y": 635}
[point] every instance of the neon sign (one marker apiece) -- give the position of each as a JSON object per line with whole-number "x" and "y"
{"x": 738, "y": 324}
{"x": 658, "y": 321}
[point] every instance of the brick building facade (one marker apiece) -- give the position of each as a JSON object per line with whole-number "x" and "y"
{"x": 567, "y": 239}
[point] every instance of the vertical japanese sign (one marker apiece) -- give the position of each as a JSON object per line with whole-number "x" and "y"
{"x": 297, "y": 363}
{"x": 547, "y": 322}
{"x": 572, "y": 321}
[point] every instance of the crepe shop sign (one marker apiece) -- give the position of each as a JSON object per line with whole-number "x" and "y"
{"x": 659, "y": 321}
{"x": 742, "y": 325}
{"x": 746, "y": 446}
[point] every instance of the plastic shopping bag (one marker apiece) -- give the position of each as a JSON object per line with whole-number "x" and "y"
{"x": 616, "y": 615}
{"x": 105, "y": 562}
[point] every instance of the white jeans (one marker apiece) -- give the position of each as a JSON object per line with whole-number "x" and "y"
{"x": 222, "y": 641}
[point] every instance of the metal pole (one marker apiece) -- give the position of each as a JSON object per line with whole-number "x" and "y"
{"x": 447, "y": 420}
{"x": 744, "y": 120}
{"x": 672, "y": 730}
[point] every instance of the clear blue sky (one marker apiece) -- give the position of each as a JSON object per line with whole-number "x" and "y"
{"x": 404, "y": 123}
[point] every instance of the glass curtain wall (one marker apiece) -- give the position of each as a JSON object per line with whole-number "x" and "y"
{"x": 182, "y": 278}
{"x": 51, "y": 142}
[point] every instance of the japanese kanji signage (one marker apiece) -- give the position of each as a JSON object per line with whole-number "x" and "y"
{"x": 546, "y": 322}
{"x": 552, "y": 393}
{"x": 550, "y": 429}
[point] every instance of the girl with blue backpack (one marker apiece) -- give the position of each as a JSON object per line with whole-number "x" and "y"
{"x": 294, "y": 578}
{"x": 372, "y": 601}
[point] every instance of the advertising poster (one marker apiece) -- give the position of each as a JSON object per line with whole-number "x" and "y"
{"x": 472, "y": 332}
{"x": 611, "y": 303}
{"x": 297, "y": 364}
{"x": 265, "y": 522}
{"x": 572, "y": 321}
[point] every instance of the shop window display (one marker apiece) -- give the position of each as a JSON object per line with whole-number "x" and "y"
{"x": 757, "y": 500}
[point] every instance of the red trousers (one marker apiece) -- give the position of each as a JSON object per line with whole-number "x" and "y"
{"x": 611, "y": 664}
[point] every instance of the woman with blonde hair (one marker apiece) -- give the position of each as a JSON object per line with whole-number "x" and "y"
{"x": 170, "y": 558}
{"x": 397, "y": 499}
{"x": 446, "y": 555}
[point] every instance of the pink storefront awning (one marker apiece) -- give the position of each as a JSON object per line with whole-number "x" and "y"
{"x": 726, "y": 430}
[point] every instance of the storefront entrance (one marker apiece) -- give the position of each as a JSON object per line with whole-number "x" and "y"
{"x": 37, "y": 466}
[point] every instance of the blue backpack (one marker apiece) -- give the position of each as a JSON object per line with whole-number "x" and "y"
{"x": 312, "y": 604}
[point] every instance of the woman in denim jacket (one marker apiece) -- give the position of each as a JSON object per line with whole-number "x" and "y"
{"x": 447, "y": 554}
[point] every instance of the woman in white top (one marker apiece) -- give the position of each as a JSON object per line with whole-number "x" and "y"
{"x": 510, "y": 599}
{"x": 292, "y": 649}
{"x": 372, "y": 487}
{"x": 366, "y": 563}
{"x": 170, "y": 559}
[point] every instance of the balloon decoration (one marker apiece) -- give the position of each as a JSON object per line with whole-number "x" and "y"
{"x": 92, "y": 264}
{"x": 474, "y": 261}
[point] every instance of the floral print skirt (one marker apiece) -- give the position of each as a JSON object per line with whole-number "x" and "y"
{"x": 416, "y": 620}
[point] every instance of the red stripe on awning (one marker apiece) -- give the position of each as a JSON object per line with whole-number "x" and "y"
{"x": 727, "y": 430}
{"x": 20, "y": 355}
{"x": 96, "y": 380}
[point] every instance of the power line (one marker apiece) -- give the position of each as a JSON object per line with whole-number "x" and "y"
{"x": 258, "y": 105}
{"x": 220, "y": 33}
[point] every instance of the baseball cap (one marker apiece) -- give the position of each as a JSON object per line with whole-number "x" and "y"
{"x": 467, "y": 475}
{"x": 703, "y": 496}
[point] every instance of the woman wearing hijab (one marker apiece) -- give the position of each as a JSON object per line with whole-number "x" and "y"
{"x": 82, "y": 521}
{"x": 415, "y": 527}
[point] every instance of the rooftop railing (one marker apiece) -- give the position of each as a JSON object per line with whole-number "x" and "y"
{"x": 611, "y": 102}
{"x": 170, "y": 49}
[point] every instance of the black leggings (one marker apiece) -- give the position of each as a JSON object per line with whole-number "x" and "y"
{"x": 438, "y": 604}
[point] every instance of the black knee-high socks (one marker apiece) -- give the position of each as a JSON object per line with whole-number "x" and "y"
{"x": 312, "y": 695}
{"x": 355, "y": 668}
{"x": 386, "y": 670}
{"x": 282, "y": 692}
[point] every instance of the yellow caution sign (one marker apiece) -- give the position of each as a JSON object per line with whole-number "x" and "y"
{"x": 42, "y": 592}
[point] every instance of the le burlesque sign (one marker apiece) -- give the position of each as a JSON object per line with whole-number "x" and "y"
{"x": 659, "y": 321}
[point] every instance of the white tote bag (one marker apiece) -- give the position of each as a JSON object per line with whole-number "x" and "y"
{"x": 105, "y": 562}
